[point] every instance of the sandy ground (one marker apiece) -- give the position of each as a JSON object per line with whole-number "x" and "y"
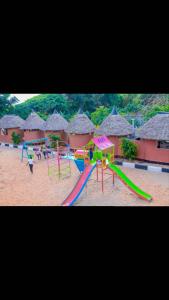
{"x": 19, "y": 187}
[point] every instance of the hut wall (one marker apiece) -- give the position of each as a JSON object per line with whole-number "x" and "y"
{"x": 116, "y": 141}
{"x": 8, "y": 138}
{"x": 60, "y": 133}
{"x": 65, "y": 137}
{"x": 79, "y": 140}
{"x": 33, "y": 135}
{"x": 147, "y": 150}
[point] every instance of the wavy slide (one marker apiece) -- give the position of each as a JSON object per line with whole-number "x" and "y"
{"x": 141, "y": 194}
{"x": 74, "y": 195}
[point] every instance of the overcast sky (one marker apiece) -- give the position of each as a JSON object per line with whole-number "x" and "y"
{"x": 23, "y": 97}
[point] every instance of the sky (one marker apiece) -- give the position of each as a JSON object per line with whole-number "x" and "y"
{"x": 24, "y": 97}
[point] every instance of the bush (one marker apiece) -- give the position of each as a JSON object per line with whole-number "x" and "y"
{"x": 54, "y": 139}
{"x": 16, "y": 138}
{"x": 129, "y": 149}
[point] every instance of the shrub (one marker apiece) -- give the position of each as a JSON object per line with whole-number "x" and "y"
{"x": 128, "y": 148}
{"x": 54, "y": 139}
{"x": 16, "y": 138}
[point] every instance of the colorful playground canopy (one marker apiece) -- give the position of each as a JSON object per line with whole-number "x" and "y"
{"x": 102, "y": 142}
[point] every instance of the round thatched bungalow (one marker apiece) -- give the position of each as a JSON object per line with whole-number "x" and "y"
{"x": 8, "y": 125}
{"x": 33, "y": 127}
{"x": 115, "y": 127}
{"x": 56, "y": 125}
{"x": 80, "y": 130}
{"x": 153, "y": 139}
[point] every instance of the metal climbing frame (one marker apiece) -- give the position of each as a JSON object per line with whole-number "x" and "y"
{"x": 59, "y": 166}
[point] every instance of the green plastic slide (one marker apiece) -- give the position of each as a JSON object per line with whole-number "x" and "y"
{"x": 129, "y": 183}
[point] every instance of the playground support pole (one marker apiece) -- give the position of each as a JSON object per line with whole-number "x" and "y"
{"x": 102, "y": 182}
{"x": 69, "y": 167}
{"x": 97, "y": 173}
{"x": 22, "y": 152}
{"x": 86, "y": 189}
{"x": 113, "y": 177}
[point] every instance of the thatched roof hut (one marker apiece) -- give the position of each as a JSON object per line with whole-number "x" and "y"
{"x": 33, "y": 122}
{"x": 80, "y": 124}
{"x": 157, "y": 128}
{"x": 55, "y": 122}
{"x": 115, "y": 125}
{"x": 11, "y": 121}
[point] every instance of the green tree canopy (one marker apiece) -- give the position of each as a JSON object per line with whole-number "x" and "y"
{"x": 6, "y": 103}
{"x": 96, "y": 106}
{"x": 99, "y": 115}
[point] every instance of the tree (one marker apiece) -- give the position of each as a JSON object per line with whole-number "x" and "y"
{"x": 6, "y": 103}
{"x": 44, "y": 104}
{"x": 87, "y": 102}
{"x": 69, "y": 104}
{"x": 43, "y": 116}
{"x": 154, "y": 110}
{"x": 99, "y": 115}
{"x": 132, "y": 107}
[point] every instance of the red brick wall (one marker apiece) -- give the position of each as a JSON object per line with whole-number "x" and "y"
{"x": 8, "y": 138}
{"x": 147, "y": 150}
{"x": 60, "y": 133}
{"x": 116, "y": 141}
{"x": 33, "y": 135}
{"x": 79, "y": 140}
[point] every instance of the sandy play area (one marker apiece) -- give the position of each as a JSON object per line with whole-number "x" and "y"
{"x": 19, "y": 187}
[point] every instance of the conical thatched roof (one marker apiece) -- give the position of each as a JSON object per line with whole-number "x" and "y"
{"x": 55, "y": 122}
{"x": 115, "y": 125}
{"x": 80, "y": 124}
{"x": 33, "y": 122}
{"x": 11, "y": 121}
{"x": 157, "y": 128}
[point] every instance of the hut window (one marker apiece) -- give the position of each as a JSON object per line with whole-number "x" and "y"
{"x": 163, "y": 144}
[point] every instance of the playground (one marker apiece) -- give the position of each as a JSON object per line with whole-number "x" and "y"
{"x": 19, "y": 187}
